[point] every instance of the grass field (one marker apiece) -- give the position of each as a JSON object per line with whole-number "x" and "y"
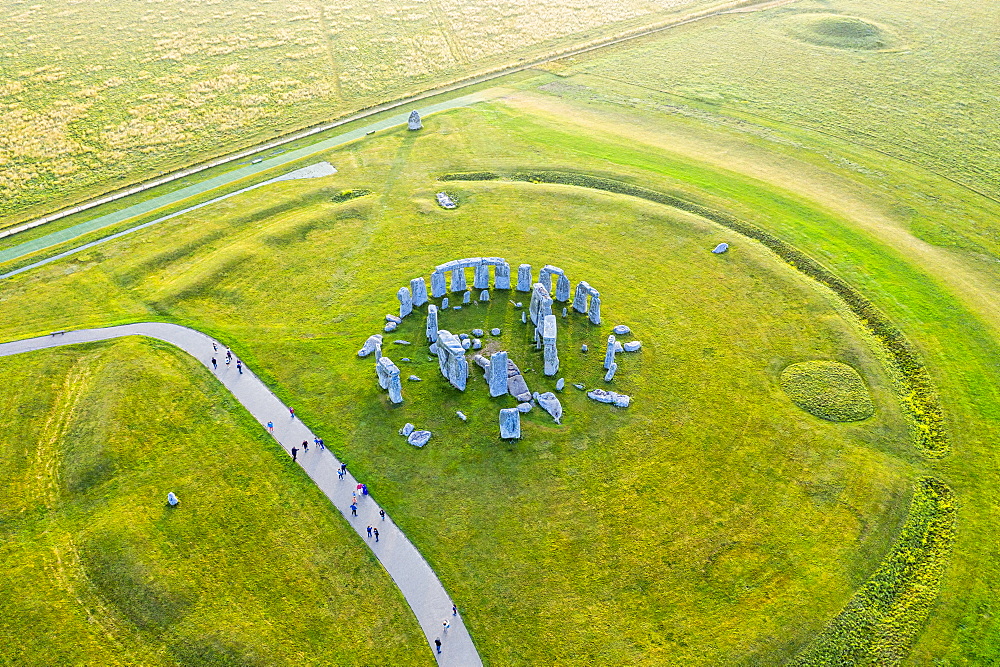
{"x": 85, "y": 112}
{"x": 253, "y": 568}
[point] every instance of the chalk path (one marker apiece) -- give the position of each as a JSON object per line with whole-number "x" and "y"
{"x": 414, "y": 577}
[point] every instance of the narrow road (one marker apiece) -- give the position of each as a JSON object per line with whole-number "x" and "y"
{"x": 414, "y": 577}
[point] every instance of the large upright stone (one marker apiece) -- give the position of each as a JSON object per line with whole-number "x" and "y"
{"x": 524, "y": 278}
{"x": 551, "y": 355}
{"x": 405, "y": 301}
{"x": 580, "y": 297}
{"x": 438, "y": 287}
{"x": 541, "y": 304}
{"x": 481, "y": 278}
{"x": 501, "y": 276}
{"x": 451, "y": 359}
{"x": 388, "y": 378}
{"x": 414, "y": 121}
{"x": 419, "y": 290}
{"x": 562, "y": 289}
{"x": 497, "y": 374}
{"x": 595, "y": 308}
{"x": 545, "y": 277}
{"x": 609, "y": 356}
{"x": 458, "y": 280}
{"x": 432, "y": 323}
{"x": 510, "y": 424}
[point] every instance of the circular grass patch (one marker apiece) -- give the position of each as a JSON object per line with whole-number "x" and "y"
{"x": 842, "y": 32}
{"x": 828, "y": 389}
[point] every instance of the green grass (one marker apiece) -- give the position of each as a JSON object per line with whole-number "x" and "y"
{"x": 254, "y": 567}
{"x": 828, "y": 389}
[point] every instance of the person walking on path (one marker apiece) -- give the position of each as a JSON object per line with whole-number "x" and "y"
{"x": 305, "y": 446}
{"x": 364, "y": 489}
{"x": 215, "y": 348}
{"x": 295, "y": 453}
{"x": 437, "y": 644}
{"x": 291, "y": 411}
{"x": 447, "y": 625}
{"x": 354, "y": 509}
{"x": 270, "y": 427}
{"x": 376, "y": 534}
{"x": 454, "y": 609}
{"x": 229, "y": 355}
{"x": 343, "y": 466}
{"x": 381, "y": 513}
{"x": 322, "y": 445}
{"x": 340, "y": 474}
{"x": 239, "y": 366}
{"x": 369, "y": 531}
{"x": 354, "y": 498}
{"x": 215, "y": 364}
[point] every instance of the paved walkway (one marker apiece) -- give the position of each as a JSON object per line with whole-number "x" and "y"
{"x": 414, "y": 577}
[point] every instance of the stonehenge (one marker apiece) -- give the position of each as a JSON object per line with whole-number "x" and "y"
{"x": 432, "y": 323}
{"x": 484, "y": 295}
{"x": 481, "y": 276}
{"x": 510, "y": 424}
{"x": 549, "y": 341}
{"x": 501, "y": 276}
{"x": 524, "y": 278}
{"x": 609, "y": 356}
{"x": 497, "y": 374}
{"x": 437, "y": 285}
{"x": 413, "y": 122}
{"x": 370, "y": 345}
{"x": 388, "y": 378}
{"x": 405, "y": 301}
{"x": 541, "y": 304}
{"x": 451, "y": 359}
{"x": 458, "y": 280}
{"x": 580, "y": 305}
{"x": 419, "y": 289}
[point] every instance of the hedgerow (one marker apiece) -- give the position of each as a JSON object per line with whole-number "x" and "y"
{"x": 883, "y": 618}
{"x": 918, "y": 396}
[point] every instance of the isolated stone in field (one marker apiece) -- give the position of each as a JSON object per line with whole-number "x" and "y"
{"x": 633, "y": 345}
{"x": 406, "y": 359}
{"x": 444, "y": 303}
{"x": 451, "y": 359}
{"x": 550, "y": 404}
{"x": 444, "y": 201}
{"x": 438, "y": 286}
{"x": 551, "y": 354}
{"x": 419, "y": 289}
{"x": 432, "y": 323}
{"x": 562, "y": 289}
{"x": 524, "y": 278}
{"x": 560, "y": 383}
{"x": 721, "y": 248}
{"x": 467, "y": 297}
{"x": 494, "y": 332}
{"x": 419, "y": 438}
{"x": 611, "y": 372}
{"x": 497, "y": 376}
{"x": 414, "y": 378}
{"x": 405, "y": 301}
{"x": 477, "y": 344}
{"x": 413, "y": 122}
{"x": 584, "y": 348}
{"x": 616, "y": 399}
{"x": 390, "y": 327}
{"x": 501, "y": 276}
{"x": 401, "y": 342}
{"x": 510, "y": 424}
{"x": 461, "y": 415}
{"x": 393, "y": 318}
{"x": 609, "y": 356}
{"x": 484, "y": 295}
{"x": 478, "y": 333}
{"x": 407, "y": 429}
{"x": 621, "y": 330}
{"x": 524, "y": 408}
{"x": 370, "y": 344}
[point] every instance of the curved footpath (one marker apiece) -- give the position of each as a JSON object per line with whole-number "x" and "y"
{"x": 414, "y": 577}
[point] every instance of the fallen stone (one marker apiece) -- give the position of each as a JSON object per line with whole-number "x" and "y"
{"x": 477, "y": 344}
{"x": 524, "y": 408}
{"x": 463, "y": 336}
{"x": 407, "y": 429}
{"x": 494, "y": 332}
{"x": 414, "y": 378}
{"x": 611, "y": 372}
{"x": 461, "y": 415}
{"x": 510, "y": 424}
{"x": 560, "y": 383}
{"x": 478, "y": 333}
{"x": 406, "y": 359}
{"x": 621, "y": 330}
{"x": 579, "y": 386}
{"x": 619, "y": 347}
{"x": 393, "y": 318}
{"x": 497, "y": 376}
{"x": 466, "y": 344}
{"x": 433, "y": 349}
{"x": 457, "y": 308}
{"x": 632, "y": 346}
{"x": 370, "y": 344}
{"x": 402, "y": 342}
{"x": 613, "y": 398}
{"x": 550, "y": 404}
{"x": 419, "y": 438}
{"x": 721, "y": 248}
{"x": 390, "y": 326}
{"x": 519, "y": 305}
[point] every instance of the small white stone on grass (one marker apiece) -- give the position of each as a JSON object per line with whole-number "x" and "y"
{"x": 632, "y": 346}
{"x": 560, "y": 383}
{"x": 494, "y": 332}
{"x": 584, "y": 348}
{"x": 390, "y": 326}
{"x": 419, "y": 438}
{"x": 393, "y": 318}
{"x": 407, "y": 429}
{"x": 478, "y": 333}
{"x": 621, "y": 330}
{"x": 414, "y": 378}
{"x": 461, "y": 415}
{"x": 524, "y": 407}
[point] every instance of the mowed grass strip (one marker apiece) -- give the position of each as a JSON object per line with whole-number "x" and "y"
{"x": 253, "y": 568}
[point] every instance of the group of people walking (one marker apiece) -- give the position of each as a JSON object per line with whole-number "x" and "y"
{"x": 229, "y": 359}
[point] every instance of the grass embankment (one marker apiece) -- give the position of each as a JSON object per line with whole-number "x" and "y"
{"x": 918, "y": 393}
{"x": 829, "y": 390}
{"x": 253, "y": 568}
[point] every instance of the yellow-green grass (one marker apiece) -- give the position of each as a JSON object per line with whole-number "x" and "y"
{"x": 253, "y": 568}
{"x": 710, "y": 522}
{"x": 828, "y": 389}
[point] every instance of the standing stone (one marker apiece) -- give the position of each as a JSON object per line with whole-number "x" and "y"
{"x": 484, "y": 295}
{"x": 432, "y": 323}
{"x": 541, "y": 304}
{"x": 549, "y": 340}
{"x": 405, "y": 301}
{"x": 438, "y": 284}
{"x": 611, "y": 372}
{"x": 524, "y": 278}
{"x": 451, "y": 359}
{"x": 444, "y": 303}
{"x": 481, "y": 278}
{"x": 595, "y": 308}
{"x": 560, "y": 383}
{"x": 562, "y": 289}
{"x": 580, "y": 298}
{"x": 609, "y": 356}
{"x": 501, "y": 276}
{"x": 388, "y": 378}
{"x": 467, "y": 297}
{"x": 414, "y": 121}
{"x": 497, "y": 374}
{"x": 545, "y": 278}
{"x": 524, "y": 317}
{"x": 419, "y": 289}
{"x": 510, "y": 424}
{"x": 458, "y": 280}
{"x": 565, "y": 312}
